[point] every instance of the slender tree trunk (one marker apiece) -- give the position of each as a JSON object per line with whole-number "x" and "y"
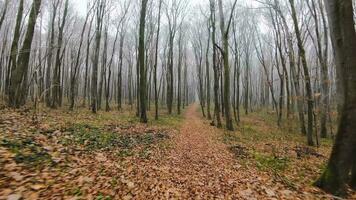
{"x": 56, "y": 89}
{"x": 89, "y": 39}
{"x": 207, "y": 73}
{"x": 170, "y": 80}
{"x": 180, "y": 54}
{"x": 225, "y": 33}
{"x": 76, "y": 66}
{"x": 107, "y": 89}
{"x": 119, "y": 78}
{"x": 306, "y": 75}
{"x": 102, "y": 81}
{"x": 215, "y": 65}
{"x": 3, "y": 14}
{"x": 141, "y": 56}
{"x": 94, "y": 78}
{"x": 293, "y": 70}
{"x": 156, "y": 59}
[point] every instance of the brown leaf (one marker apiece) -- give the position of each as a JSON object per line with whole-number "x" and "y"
{"x": 14, "y": 197}
{"x": 38, "y": 186}
{"x": 16, "y": 176}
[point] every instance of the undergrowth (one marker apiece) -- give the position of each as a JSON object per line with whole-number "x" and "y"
{"x": 95, "y": 138}
{"x": 28, "y": 152}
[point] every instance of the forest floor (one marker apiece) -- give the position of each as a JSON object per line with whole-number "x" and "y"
{"x": 77, "y": 155}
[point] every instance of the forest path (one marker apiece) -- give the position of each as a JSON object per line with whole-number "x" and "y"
{"x": 201, "y": 166}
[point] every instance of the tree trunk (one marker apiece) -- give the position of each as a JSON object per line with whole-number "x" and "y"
{"x": 207, "y": 87}
{"x": 85, "y": 90}
{"x": 56, "y": 89}
{"x": 215, "y": 65}
{"x": 225, "y": 54}
{"x": 156, "y": 59}
{"x": 306, "y": 75}
{"x": 119, "y": 78}
{"x": 14, "y": 49}
{"x": 18, "y": 92}
{"x": 141, "y": 56}
{"x": 94, "y": 78}
{"x": 343, "y": 36}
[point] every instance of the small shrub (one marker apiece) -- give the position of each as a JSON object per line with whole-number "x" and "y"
{"x": 266, "y": 162}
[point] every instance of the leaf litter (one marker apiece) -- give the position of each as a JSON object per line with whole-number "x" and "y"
{"x": 108, "y": 157}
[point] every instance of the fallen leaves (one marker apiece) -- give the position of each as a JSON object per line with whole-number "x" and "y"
{"x": 144, "y": 162}
{"x": 16, "y": 176}
{"x": 37, "y": 187}
{"x": 14, "y": 197}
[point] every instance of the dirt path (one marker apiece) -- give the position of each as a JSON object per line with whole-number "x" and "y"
{"x": 201, "y": 167}
{"x": 206, "y": 166}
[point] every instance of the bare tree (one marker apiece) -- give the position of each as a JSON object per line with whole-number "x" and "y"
{"x": 225, "y": 55}
{"x": 18, "y": 87}
{"x": 215, "y": 64}
{"x": 56, "y": 89}
{"x": 156, "y": 58}
{"x": 77, "y": 62}
{"x": 100, "y": 10}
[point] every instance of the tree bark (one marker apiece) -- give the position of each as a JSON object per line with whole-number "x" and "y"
{"x": 215, "y": 65}
{"x": 341, "y": 22}
{"x": 94, "y": 78}
{"x": 141, "y": 56}
{"x": 18, "y": 92}
{"x": 225, "y": 52}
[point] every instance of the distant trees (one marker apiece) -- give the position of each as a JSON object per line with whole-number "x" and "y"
{"x": 80, "y": 57}
{"x": 75, "y": 69}
{"x": 3, "y": 12}
{"x": 174, "y": 9}
{"x": 56, "y": 87}
{"x": 275, "y": 58}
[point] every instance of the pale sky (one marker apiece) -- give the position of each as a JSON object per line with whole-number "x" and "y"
{"x": 81, "y": 6}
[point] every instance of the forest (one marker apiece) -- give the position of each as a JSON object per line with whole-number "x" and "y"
{"x": 177, "y": 99}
